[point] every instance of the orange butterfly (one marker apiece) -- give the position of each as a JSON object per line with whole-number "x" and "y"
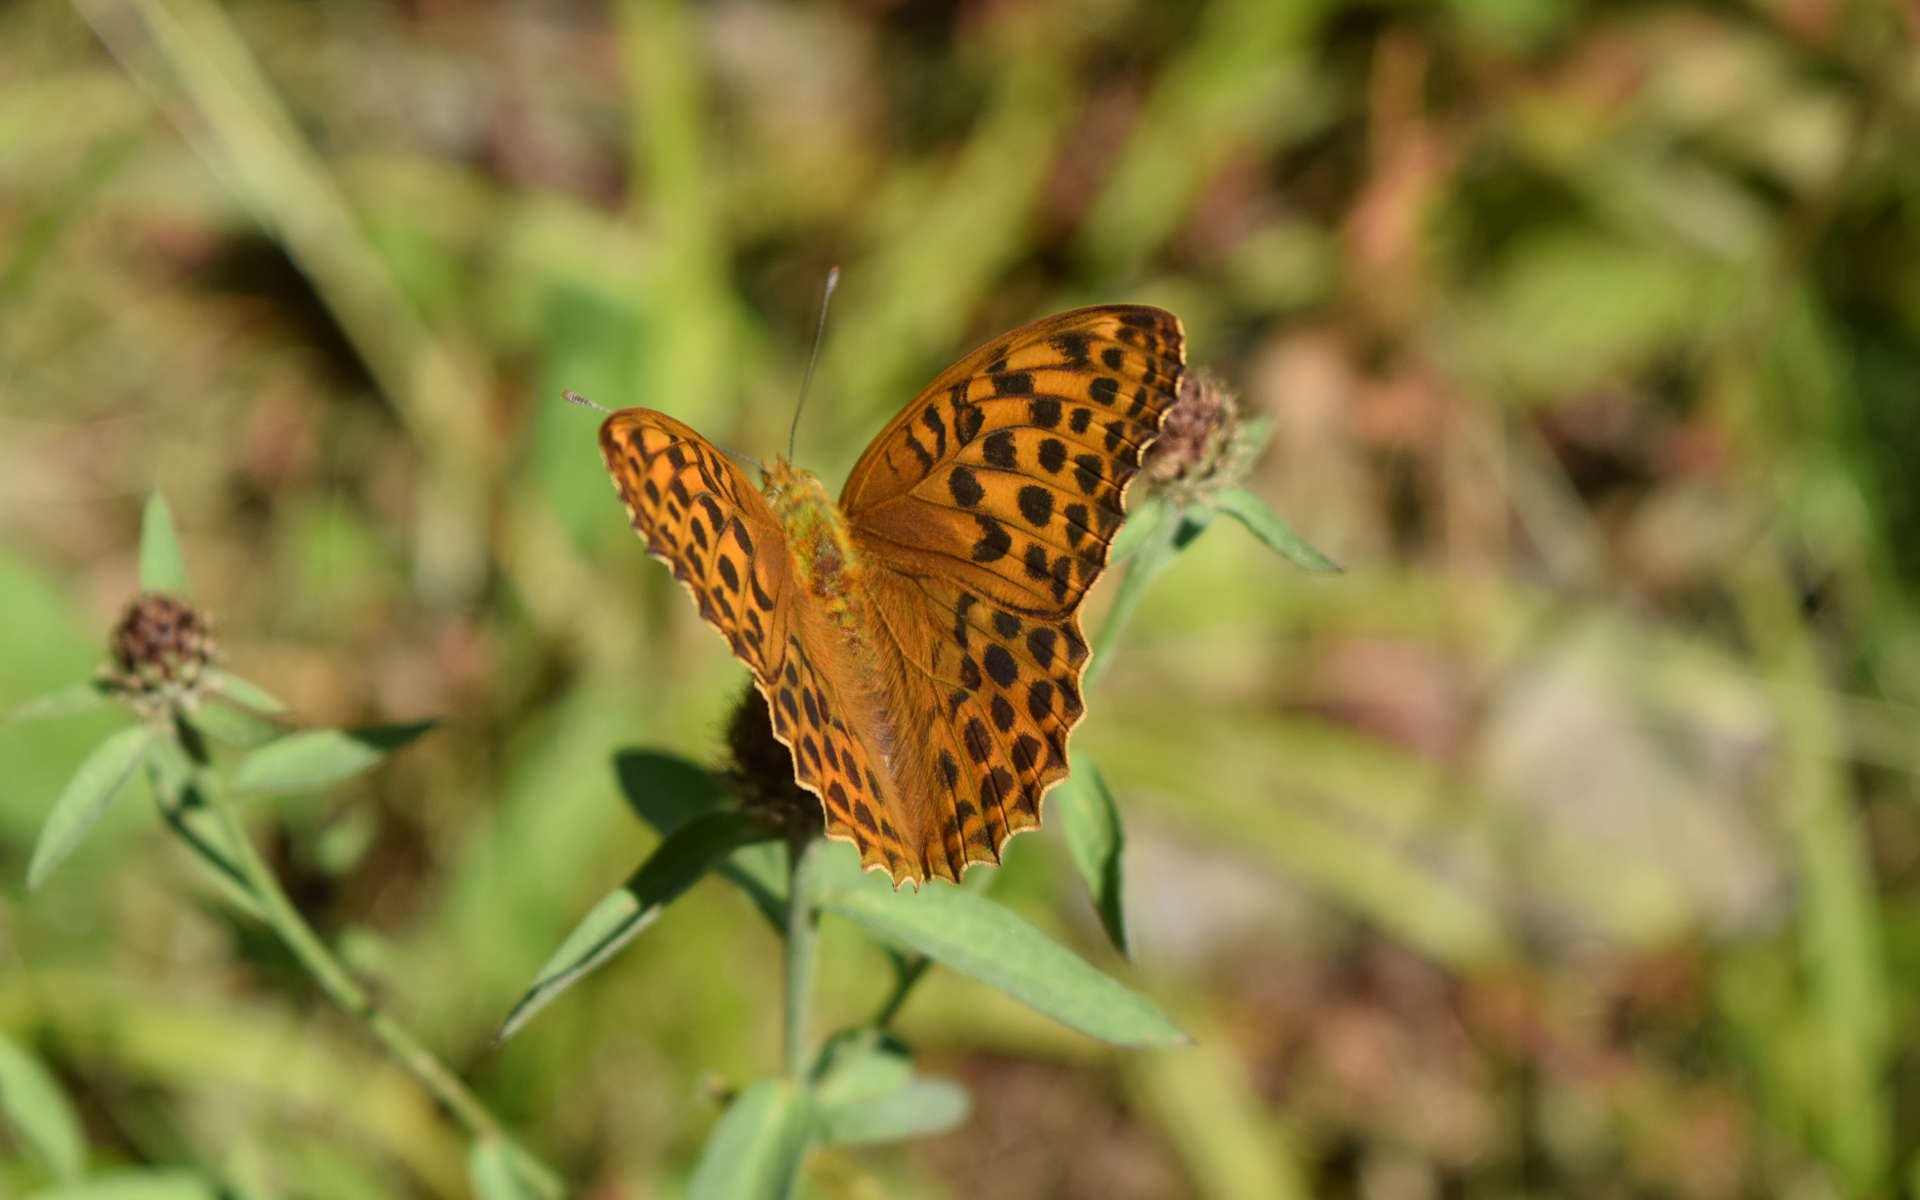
{"x": 919, "y": 644}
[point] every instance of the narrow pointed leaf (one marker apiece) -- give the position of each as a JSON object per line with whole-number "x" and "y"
{"x": 77, "y": 698}
{"x": 34, "y": 1107}
{"x": 979, "y": 937}
{"x": 920, "y": 1107}
{"x": 1265, "y": 524}
{"x": 246, "y": 693}
{"x": 755, "y": 1152}
{"x": 865, "y": 1091}
{"x": 235, "y": 726}
{"x": 162, "y": 567}
{"x": 100, "y": 777}
{"x": 1091, "y": 822}
{"x": 491, "y": 1171}
{"x": 692, "y": 850}
{"x": 320, "y": 758}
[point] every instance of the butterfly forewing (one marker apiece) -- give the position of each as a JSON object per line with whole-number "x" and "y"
{"x": 1006, "y": 474}
{"x": 701, "y": 516}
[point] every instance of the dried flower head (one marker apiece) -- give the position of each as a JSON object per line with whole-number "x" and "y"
{"x": 160, "y": 649}
{"x": 762, "y": 772}
{"x": 1198, "y": 440}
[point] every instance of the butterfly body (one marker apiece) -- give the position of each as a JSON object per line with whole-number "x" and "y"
{"x": 918, "y": 642}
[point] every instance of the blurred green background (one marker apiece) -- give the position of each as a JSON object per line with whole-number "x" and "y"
{"x": 1566, "y": 845}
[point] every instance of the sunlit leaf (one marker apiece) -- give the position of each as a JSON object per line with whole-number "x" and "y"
{"x": 1095, "y": 838}
{"x": 92, "y": 788}
{"x": 162, "y": 567}
{"x": 33, "y": 1105}
{"x": 320, "y": 758}
{"x": 920, "y": 1107}
{"x": 755, "y": 1152}
{"x": 677, "y": 864}
{"x": 980, "y": 937}
{"x": 1265, "y": 524}
{"x": 866, "y": 1091}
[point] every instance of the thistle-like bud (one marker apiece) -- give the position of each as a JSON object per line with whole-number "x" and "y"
{"x": 160, "y": 649}
{"x": 762, "y": 772}
{"x": 1198, "y": 448}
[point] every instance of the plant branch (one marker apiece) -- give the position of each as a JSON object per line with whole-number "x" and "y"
{"x": 433, "y": 1075}
{"x": 802, "y": 937}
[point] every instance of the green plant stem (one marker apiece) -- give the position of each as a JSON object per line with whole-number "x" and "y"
{"x": 908, "y": 975}
{"x": 802, "y": 935}
{"x": 1148, "y": 561}
{"x": 407, "y": 1050}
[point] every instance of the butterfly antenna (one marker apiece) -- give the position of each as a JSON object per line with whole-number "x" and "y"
{"x": 819, "y": 331}
{"x": 749, "y": 459}
{"x": 583, "y": 402}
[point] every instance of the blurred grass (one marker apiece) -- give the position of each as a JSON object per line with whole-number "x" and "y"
{"x": 1566, "y": 844}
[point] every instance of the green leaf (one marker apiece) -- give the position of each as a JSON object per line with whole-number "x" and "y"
{"x": 677, "y": 864}
{"x": 979, "y": 937}
{"x": 1265, "y": 524}
{"x": 920, "y": 1107}
{"x": 867, "y": 1092}
{"x": 491, "y": 1171}
{"x": 320, "y": 758}
{"x": 234, "y": 726}
{"x": 144, "y": 1184}
{"x": 667, "y": 791}
{"x": 1091, "y": 821}
{"x": 77, "y": 698}
{"x": 243, "y": 692}
{"x": 33, "y": 1104}
{"x": 86, "y": 797}
{"x": 755, "y": 1151}
{"x": 162, "y": 568}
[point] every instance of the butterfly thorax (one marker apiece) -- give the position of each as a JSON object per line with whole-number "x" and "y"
{"x": 823, "y": 551}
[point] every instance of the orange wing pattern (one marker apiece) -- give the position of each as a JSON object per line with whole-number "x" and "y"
{"x": 700, "y": 516}
{"x": 985, "y": 510}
